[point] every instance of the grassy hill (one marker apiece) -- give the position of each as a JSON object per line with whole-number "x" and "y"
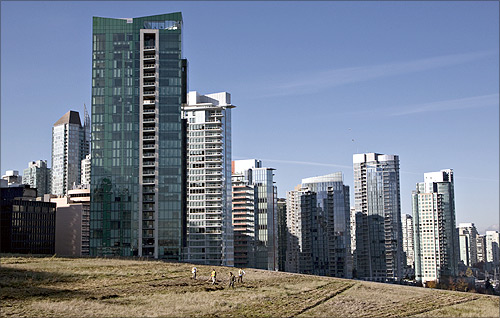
{"x": 65, "y": 287}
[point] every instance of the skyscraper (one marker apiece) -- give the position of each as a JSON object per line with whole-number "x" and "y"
{"x": 265, "y": 211}
{"x": 407, "y": 227}
{"x": 336, "y": 238}
{"x": 70, "y": 145}
{"x": 300, "y": 217}
{"x": 282, "y": 234}
{"x": 467, "y": 236}
{"x": 209, "y": 226}
{"x": 481, "y": 248}
{"x": 378, "y": 233}
{"x": 493, "y": 247}
{"x": 435, "y": 234}
{"x": 38, "y": 176}
{"x": 139, "y": 81}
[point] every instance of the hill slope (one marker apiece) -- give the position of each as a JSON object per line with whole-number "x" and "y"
{"x": 64, "y": 287}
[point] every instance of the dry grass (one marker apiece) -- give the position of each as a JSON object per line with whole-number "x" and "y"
{"x": 59, "y": 287}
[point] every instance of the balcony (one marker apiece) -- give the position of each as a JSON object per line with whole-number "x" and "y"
{"x": 149, "y": 84}
{"x": 148, "y": 137}
{"x": 148, "y": 128}
{"x": 149, "y": 48}
{"x": 149, "y": 102}
{"x": 149, "y": 93}
{"x": 149, "y": 66}
{"x": 149, "y": 120}
{"x": 148, "y": 180}
{"x": 149, "y": 56}
{"x": 148, "y": 155}
{"x": 149, "y": 74}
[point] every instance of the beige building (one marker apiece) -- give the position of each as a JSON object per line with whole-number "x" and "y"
{"x": 72, "y": 223}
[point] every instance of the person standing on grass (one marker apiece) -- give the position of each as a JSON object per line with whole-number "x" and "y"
{"x": 232, "y": 278}
{"x": 214, "y": 276}
{"x": 241, "y": 272}
{"x": 193, "y": 270}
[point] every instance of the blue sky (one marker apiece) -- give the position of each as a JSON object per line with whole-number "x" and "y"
{"x": 314, "y": 82}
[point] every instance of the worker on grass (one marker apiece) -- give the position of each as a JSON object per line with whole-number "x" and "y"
{"x": 214, "y": 276}
{"x": 232, "y": 278}
{"x": 241, "y": 272}
{"x": 193, "y": 270}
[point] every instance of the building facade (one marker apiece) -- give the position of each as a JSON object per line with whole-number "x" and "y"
{"x": 265, "y": 212}
{"x": 73, "y": 223}
{"x": 70, "y": 145}
{"x": 38, "y": 176}
{"x": 467, "y": 236}
{"x": 27, "y": 225}
{"x": 85, "y": 174}
{"x": 435, "y": 234}
{"x": 481, "y": 248}
{"x": 493, "y": 247}
{"x": 334, "y": 240}
{"x": 139, "y": 81}
{"x": 300, "y": 217}
{"x": 209, "y": 191}
{"x": 282, "y": 234}
{"x": 12, "y": 178}
{"x": 379, "y": 249}
{"x": 407, "y": 228}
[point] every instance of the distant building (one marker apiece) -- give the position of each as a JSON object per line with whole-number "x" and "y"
{"x": 209, "y": 226}
{"x": 481, "y": 248}
{"x": 352, "y": 219}
{"x": 85, "y": 177}
{"x": 301, "y": 217}
{"x": 27, "y": 226}
{"x": 333, "y": 243}
{"x": 38, "y": 176}
{"x": 265, "y": 211}
{"x": 407, "y": 228}
{"x": 379, "y": 249}
{"x": 12, "y": 177}
{"x": 73, "y": 223}
{"x": 244, "y": 202}
{"x": 467, "y": 236}
{"x": 70, "y": 145}
{"x": 492, "y": 247}
{"x": 282, "y": 234}
{"x": 435, "y": 239}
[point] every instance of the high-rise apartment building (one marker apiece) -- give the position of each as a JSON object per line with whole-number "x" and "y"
{"x": 333, "y": 243}
{"x": 435, "y": 234}
{"x": 70, "y": 145}
{"x": 481, "y": 248}
{"x": 38, "y": 176}
{"x": 244, "y": 202}
{"x": 379, "y": 249}
{"x": 265, "y": 212}
{"x": 282, "y": 234}
{"x": 86, "y": 167}
{"x": 493, "y": 247}
{"x": 300, "y": 217}
{"x": 209, "y": 199}
{"x": 407, "y": 228}
{"x": 139, "y": 81}
{"x": 467, "y": 236}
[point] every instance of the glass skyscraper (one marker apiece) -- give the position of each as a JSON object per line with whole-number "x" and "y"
{"x": 336, "y": 239}
{"x": 139, "y": 81}
{"x": 379, "y": 250}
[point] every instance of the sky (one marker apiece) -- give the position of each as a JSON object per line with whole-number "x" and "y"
{"x": 313, "y": 82}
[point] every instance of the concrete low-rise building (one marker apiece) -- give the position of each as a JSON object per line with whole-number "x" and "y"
{"x": 72, "y": 223}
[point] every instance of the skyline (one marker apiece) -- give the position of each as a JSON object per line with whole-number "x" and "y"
{"x": 307, "y": 80}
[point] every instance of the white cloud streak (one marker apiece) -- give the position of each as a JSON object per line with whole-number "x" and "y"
{"x": 332, "y": 78}
{"x": 447, "y": 105}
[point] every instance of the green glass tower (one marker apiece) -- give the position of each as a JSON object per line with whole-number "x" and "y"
{"x": 139, "y": 81}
